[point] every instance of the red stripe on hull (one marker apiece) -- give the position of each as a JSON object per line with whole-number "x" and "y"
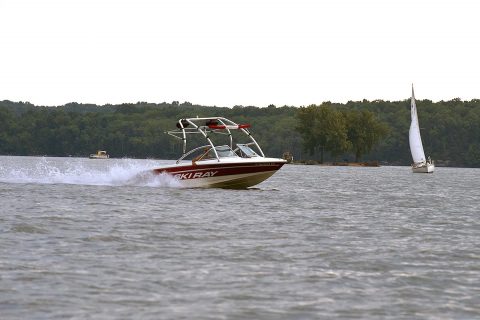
{"x": 216, "y": 170}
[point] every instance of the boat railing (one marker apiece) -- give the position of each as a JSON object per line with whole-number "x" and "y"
{"x": 216, "y": 152}
{"x": 192, "y": 151}
{"x": 210, "y": 125}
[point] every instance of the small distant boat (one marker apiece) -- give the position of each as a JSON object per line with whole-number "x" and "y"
{"x": 101, "y": 154}
{"x": 420, "y": 163}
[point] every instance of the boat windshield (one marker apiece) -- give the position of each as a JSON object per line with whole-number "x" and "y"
{"x": 225, "y": 152}
{"x": 246, "y": 151}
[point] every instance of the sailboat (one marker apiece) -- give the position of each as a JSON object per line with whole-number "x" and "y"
{"x": 420, "y": 164}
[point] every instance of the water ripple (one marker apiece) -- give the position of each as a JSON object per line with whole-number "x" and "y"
{"x": 311, "y": 242}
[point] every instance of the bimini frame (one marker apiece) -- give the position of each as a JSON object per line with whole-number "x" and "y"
{"x": 207, "y": 126}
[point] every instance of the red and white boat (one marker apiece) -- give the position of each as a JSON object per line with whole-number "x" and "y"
{"x": 229, "y": 165}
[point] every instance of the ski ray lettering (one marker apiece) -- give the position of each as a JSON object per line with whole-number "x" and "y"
{"x": 196, "y": 175}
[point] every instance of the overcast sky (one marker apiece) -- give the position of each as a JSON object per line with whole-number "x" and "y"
{"x": 238, "y": 52}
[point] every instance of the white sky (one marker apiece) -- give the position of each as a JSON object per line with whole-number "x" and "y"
{"x": 238, "y": 52}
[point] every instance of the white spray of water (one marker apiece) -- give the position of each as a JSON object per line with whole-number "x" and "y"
{"x": 114, "y": 172}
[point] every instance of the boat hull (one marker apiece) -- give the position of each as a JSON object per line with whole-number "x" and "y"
{"x": 229, "y": 175}
{"x": 423, "y": 168}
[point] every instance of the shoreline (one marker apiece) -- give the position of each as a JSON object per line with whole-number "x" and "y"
{"x": 337, "y": 164}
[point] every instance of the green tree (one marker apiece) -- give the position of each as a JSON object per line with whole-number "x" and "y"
{"x": 305, "y": 126}
{"x": 323, "y": 128}
{"x": 7, "y": 124}
{"x": 364, "y": 131}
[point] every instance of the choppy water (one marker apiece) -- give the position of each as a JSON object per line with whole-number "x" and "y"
{"x": 97, "y": 239}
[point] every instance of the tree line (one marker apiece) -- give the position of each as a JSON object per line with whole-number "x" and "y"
{"x": 338, "y": 132}
{"x": 355, "y": 131}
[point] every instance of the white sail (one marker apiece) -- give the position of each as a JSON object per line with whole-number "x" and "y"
{"x": 416, "y": 146}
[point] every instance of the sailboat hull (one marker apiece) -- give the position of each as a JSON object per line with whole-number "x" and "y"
{"x": 423, "y": 168}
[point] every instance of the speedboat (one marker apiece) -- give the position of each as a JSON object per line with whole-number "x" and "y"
{"x": 221, "y": 165}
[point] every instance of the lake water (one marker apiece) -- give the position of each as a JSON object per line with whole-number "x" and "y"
{"x": 94, "y": 239}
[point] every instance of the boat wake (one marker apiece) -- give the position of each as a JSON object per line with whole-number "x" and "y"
{"x": 122, "y": 172}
